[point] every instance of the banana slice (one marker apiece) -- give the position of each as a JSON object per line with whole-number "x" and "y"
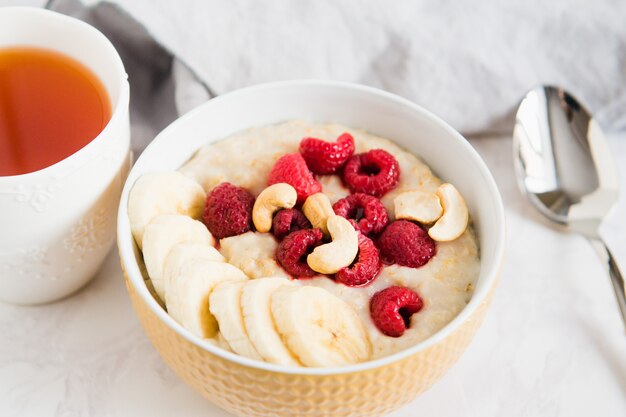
{"x": 225, "y": 305}
{"x": 259, "y": 323}
{"x": 161, "y": 234}
{"x": 162, "y": 193}
{"x": 187, "y": 300}
{"x": 180, "y": 254}
{"x": 318, "y": 327}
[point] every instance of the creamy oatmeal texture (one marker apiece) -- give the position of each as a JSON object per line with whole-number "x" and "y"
{"x": 245, "y": 159}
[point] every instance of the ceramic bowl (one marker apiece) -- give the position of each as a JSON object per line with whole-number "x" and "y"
{"x": 248, "y": 387}
{"x": 58, "y": 223}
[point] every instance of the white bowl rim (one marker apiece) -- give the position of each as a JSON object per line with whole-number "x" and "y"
{"x": 479, "y": 295}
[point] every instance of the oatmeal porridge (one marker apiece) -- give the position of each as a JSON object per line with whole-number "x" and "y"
{"x": 306, "y": 245}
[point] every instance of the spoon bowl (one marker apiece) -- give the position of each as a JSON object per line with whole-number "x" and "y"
{"x": 564, "y": 167}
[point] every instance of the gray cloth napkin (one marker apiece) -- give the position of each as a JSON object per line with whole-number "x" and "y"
{"x": 469, "y": 62}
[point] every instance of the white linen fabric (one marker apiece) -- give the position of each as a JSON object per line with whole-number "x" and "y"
{"x": 469, "y": 62}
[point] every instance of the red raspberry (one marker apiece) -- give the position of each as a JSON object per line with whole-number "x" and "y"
{"x": 391, "y": 309}
{"x": 292, "y": 169}
{"x": 288, "y": 221}
{"x": 366, "y": 268}
{"x": 375, "y": 172}
{"x": 327, "y": 157}
{"x": 293, "y": 250}
{"x": 367, "y": 211}
{"x": 405, "y": 243}
{"x": 228, "y": 210}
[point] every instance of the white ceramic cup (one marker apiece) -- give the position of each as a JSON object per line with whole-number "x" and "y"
{"x": 58, "y": 224}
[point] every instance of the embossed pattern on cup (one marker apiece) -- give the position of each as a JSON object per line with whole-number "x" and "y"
{"x": 58, "y": 223}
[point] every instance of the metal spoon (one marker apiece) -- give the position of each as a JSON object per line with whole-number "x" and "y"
{"x": 565, "y": 168}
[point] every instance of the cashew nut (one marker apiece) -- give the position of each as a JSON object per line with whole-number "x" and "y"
{"x": 272, "y": 199}
{"x": 418, "y": 205}
{"x": 454, "y": 220}
{"x": 317, "y": 209}
{"x": 331, "y": 257}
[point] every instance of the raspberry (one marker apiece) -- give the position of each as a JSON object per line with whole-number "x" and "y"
{"x": 292, "y": 169}
{"x": 293, "y": 250}
{"x": 366, "y": 268}
{"x": 391, "y": 309}
{"x": 375, "y": 172}
{"x": 327, "y": 157}
{"x": 228, "y": 210}
{"x": 288, "y": 221}
{"x": 367, "y": 211}
{"x": 405, "y": 243}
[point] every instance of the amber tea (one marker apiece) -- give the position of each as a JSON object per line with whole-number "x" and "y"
{"x": 50, "y": 107}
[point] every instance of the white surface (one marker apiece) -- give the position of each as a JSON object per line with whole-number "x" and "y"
{"x": 552, "y": 343}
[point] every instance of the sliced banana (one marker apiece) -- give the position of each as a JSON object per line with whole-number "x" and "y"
{"x": 161, "y": 234}
{"x": 180, "y": 254}
{"x": 259, "y": 323}
{"x": 225, "y": 305}
{"x": 188, "y": 299}
{"x": 318, "y": 327}
{"x": 162, "y": 193}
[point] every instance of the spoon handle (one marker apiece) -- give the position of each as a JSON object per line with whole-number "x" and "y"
{"x": 616, "y": 276}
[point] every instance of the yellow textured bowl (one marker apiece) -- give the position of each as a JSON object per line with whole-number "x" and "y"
{"x": 247, "y": 387}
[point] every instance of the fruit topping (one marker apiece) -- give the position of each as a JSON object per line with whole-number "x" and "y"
{"x": 407, "y": 244}
{"x": 292, "y": 252}
{"x": 327, "y": 157}
{"x": 292, "y": 169}
{"x": 187, "y": 297}
{"x": 228, "y": 210}
{"x": 157, "y": 193}
{"x": 258, "y": 320}
{"x": 367, "y": 211}
{"x": 319, "y": 328}
{"x": 365, "y": 269}
{"x": 375, "y": 172}
{"x": 391, "y": 309}
{"x": 288, "y": 221}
